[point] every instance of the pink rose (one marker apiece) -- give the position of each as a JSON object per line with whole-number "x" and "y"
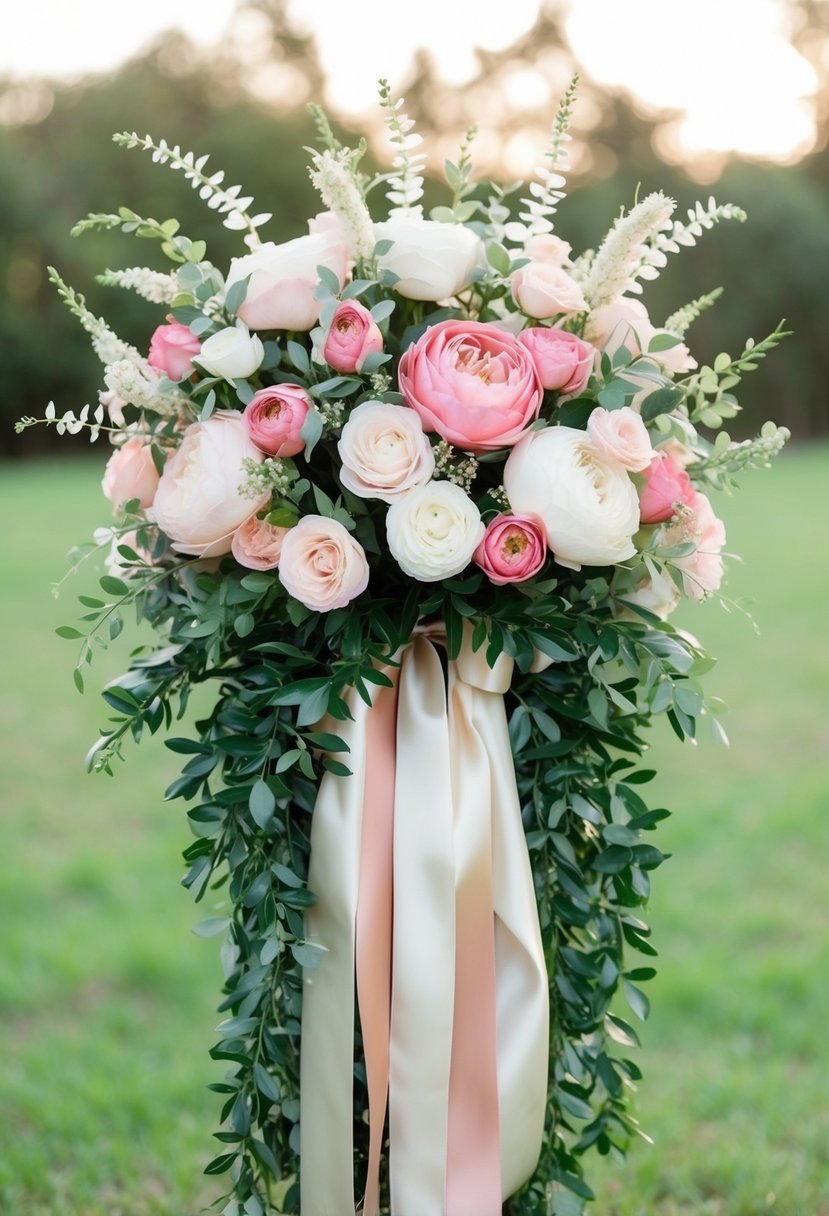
{"x": 702, "y": 570}
{"x": 563, "y": 361}
{"x": 384, "y": 451}
{"x": 666, "y": 484}
{"x": 542, "y": 290}
{"x": 353, "y": 335}
{"x": 621, "y": 435}
{"x": 258, "y": 544}
{"x": 321, "y": 564}
{"x": 514, "y": 548}
{"x": 172, "y": 348}
{"x": 275, "y": 417}
{"x": 131, "y": 473}
{"x": 473, "y": 384}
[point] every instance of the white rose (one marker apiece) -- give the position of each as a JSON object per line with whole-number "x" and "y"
{"x": 197, "y": 503}
{"x": 433, "y": 531}
{"x": 658, "y": 593}
{"x": 283, "y": 279}
{"x": 432, "y": 261}
{"x": 588, "y": 504}
{"x": 384, "y": 451}
{"x": 233, "y": 353}
{"x": 542, "y": 290}
{"x": 321, "y": 564}
{"x": 621, "y": 435}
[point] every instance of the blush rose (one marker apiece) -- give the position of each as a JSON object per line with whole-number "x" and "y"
{"x": 384, "y": 451}
{"x": 131, "y": 473}
{"x": 472, "y": 383}
{"x": 258, "y": 544}
{"x": 621, "y": 435}
{"x": 542, "y": 290}
{"x": 172, "y": 348}
{"x": 666, "y": 484}
{"x": 321, "y": 564}
{"x": 514, "y": 548}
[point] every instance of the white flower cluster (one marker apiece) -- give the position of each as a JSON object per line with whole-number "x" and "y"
{"x": 626, "y": 254}
{"x": 334, "y": 180}
{"x": 140, "y": 386}
{"x": 151, "y": 285}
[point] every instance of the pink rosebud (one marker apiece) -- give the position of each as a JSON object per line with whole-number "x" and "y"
{"x": 172, "y": 348}
{"x": 275, "y": 417}
{"x": 562, "y": 360}
{"x": 702, "y": 570}
{"x": 513, "y": 549}
{"x": 473, "y": 384}
{"x": 666, "y": 484}
{"x": 258, "y": 544}
{"x": 131, "y": 473}
{"x": 542, "y": 290}
{"x": 353, "y": 335}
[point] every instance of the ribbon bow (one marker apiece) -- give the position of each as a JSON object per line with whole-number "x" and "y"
{"x": 425, "y": 896}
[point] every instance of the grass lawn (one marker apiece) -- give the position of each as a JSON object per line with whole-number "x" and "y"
{"x": 107, "y": 1000}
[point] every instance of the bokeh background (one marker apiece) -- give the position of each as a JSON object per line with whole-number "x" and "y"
{"x": 106, "y": 1000}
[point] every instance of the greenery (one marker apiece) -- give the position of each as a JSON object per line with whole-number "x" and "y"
{"x": 100, "y": 957}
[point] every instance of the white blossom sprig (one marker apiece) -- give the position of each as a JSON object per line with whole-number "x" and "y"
{"x": 145, "y": 389}
{"x": 152, "y": 285}
{"x": 224, "y": 199}
{"x": 68, "y": 423}
{"x": 406, "y": 182}
{"x": 627, "y": 253}
{"x": 678, "y": 322}
{"x": 547, "y": 192}
{"x": 727, "y": 458}
{"x": 107, "y": 345}
{"x": 333, "y": 176}
{"x": 700, "y": 219}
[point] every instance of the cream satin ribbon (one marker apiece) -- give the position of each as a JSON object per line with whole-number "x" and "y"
{"x": 452, "y": 986}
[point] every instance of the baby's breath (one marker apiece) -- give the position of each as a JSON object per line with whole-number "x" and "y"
{"x": 461, "y": 469}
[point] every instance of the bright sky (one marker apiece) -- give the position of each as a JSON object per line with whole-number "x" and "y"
{"x": 725, "y": 65}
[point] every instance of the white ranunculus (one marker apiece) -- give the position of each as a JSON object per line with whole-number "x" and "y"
{"x": 432, "y": 261}
{"x": 384, "y": 451}
{"x": 197, "y": 503}
{"x": 588, "y": 503}
{"x": 233, "y": 353}
{"x": 433, "y": 531}
{"x": 283, "y": 278}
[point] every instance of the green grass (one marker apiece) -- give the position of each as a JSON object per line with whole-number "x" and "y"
{"x": 107, "y": 1000}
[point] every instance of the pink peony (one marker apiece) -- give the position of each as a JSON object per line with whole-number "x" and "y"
{"x": 321, "y": 564}
{"x": 275, "y": 417}
{"x": 353, "y": 335}
{"x": 621, "y": 435}
{"x": 666, "y": 484}
{"x": 563, "y": 361}
{"x": 172, "y": 348}
{"x": 473, "y": 384}
{"x": 131, "y": 473}
{"x": 542, "y": 290}
{"x": 514, "y": 548}
{"x": 258, "y": 544}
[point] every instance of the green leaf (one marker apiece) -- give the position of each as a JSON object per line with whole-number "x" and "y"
{"x": 221, "y": 1164}
{"x": 311, "y": 431}
{"x": 306, "y": 955}
{"x": 637, "y": 1000}
{"x": 262, "y": 803}
{"x": 68, "y": 631}
{"x": 113, "y": 586}
{"x": 211, "y": 926}
{"x": 266, "y": 1084}
{"x": 660, "y": 402}
{"x": 235, "y": 297}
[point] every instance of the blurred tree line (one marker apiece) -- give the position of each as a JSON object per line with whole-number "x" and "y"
{"x": 57, "y": 163}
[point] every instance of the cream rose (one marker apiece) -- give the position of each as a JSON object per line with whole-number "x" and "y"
{"x": 432, "y": 261}
{"x": 321, "y": 564}
{"x": 433, "y": 531}
{"x": 621, "y": 435}
{"x": 233, "y": 353}
{"x": 588, "y": 504}
{"x": 283, "y": 278}
{"x": 542, "y": 290}
{"x": 197, "y": 503}
{"x": 384, "y": 451}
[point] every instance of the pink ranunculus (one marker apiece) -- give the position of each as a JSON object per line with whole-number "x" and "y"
{"x": 131, "y": 473}
{"x": 172, "y": 348}
{"x": 321, "y": 564}
{"x": 472, "y": 383}
{"x": 514, "y": 548}
{"x": 258, "y": 544}
{"x": 621, "y": 435}
{"x": 702, "y": 570}
{"x": 542, "y": 290}
{"x": 274, "y": 417}
{"x": 666, "y": 484}
{"x": 563, "y": 361}
{"x": 353, "y": 335}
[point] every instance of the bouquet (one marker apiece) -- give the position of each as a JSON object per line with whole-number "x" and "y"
{"x": 416, "y": 498}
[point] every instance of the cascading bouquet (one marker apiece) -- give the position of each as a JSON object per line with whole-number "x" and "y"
{"x": 416, "y": 497}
